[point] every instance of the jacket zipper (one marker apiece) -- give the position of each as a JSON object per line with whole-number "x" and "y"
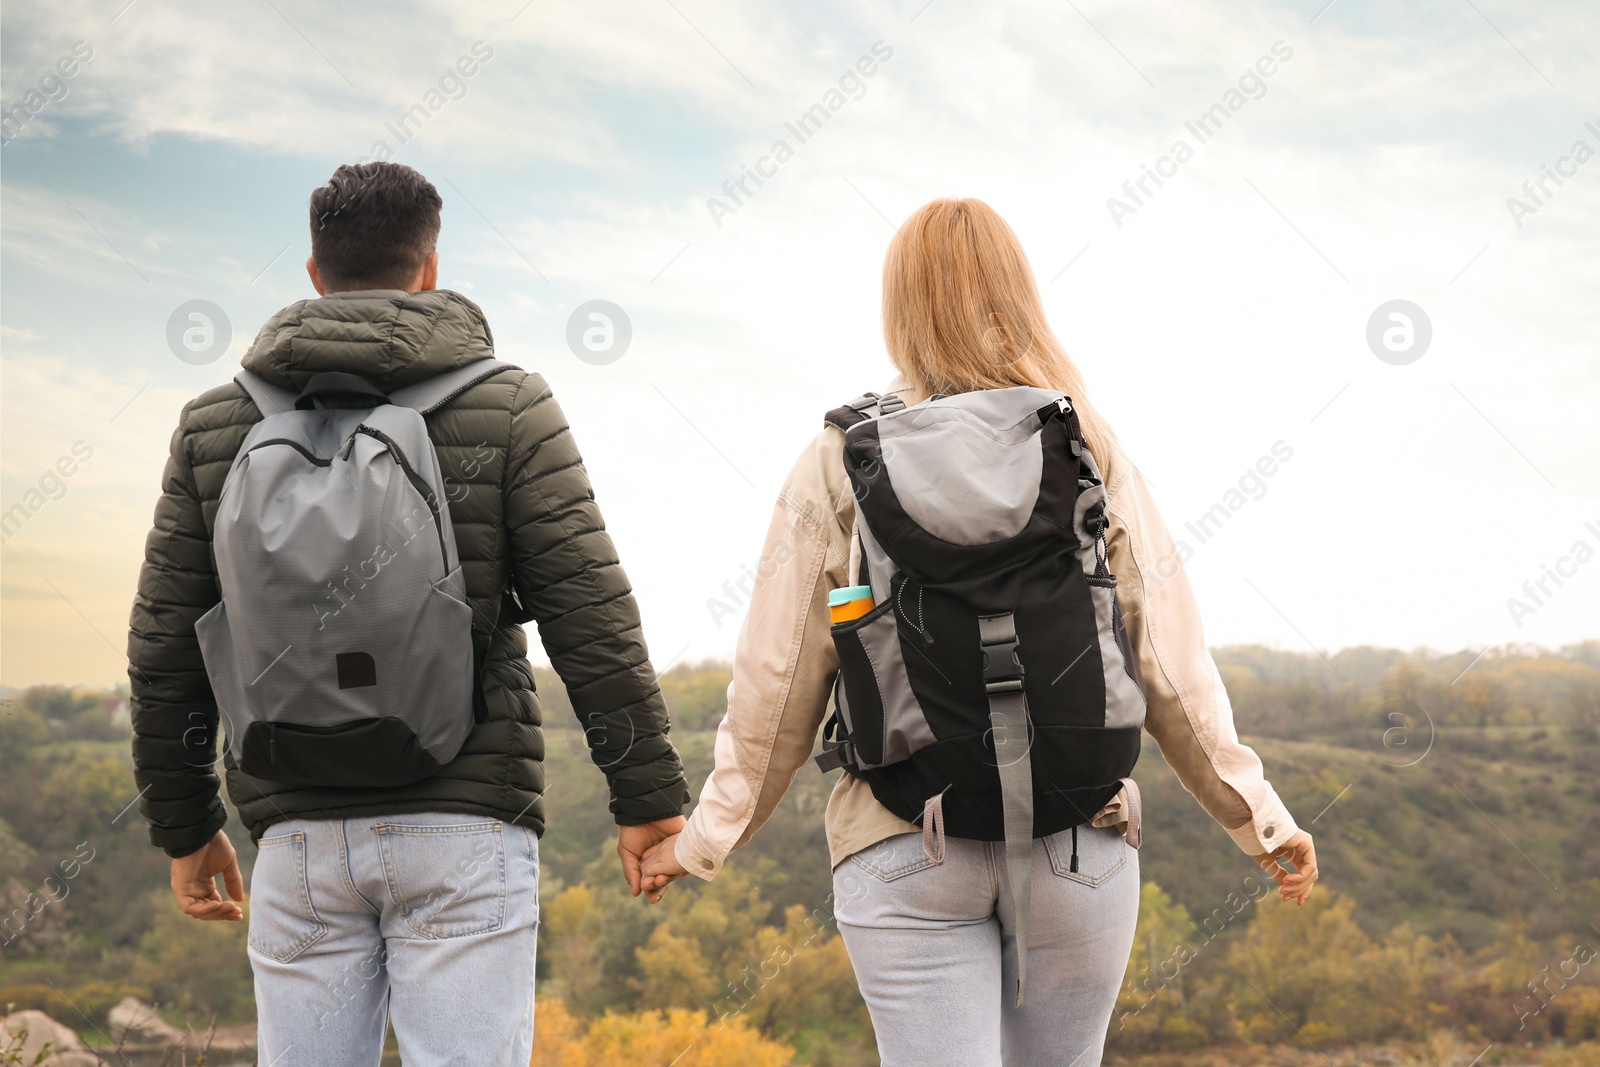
{"x": 477, "y": 381}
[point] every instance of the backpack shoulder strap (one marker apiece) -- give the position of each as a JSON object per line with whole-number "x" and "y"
{"x": 434, "y": 393}
{"x": 863, "y": 408}
{"x": 271, "y": 399}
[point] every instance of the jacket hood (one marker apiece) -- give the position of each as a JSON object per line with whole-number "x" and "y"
{"x": 388, "y": 336}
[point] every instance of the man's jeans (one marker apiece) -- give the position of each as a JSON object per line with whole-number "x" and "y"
{"x": 934, "y": 950}
{"x": 433, "y": 916}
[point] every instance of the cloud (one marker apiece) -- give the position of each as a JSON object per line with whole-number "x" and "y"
{"x": 74, "y": 236}
{"x": 1223, "y": 314}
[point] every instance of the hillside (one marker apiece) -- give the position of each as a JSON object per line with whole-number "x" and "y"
{"x": 1401, "y": 840}
{"x": 1427, "y": 832}
{"x": 1454, "y": 803}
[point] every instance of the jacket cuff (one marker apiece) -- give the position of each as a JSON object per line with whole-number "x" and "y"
{"x": 1269, "y": 827}
{"x": 695, "y": 854}
{"x": 190, "y": 841}
{"x": 651, "y": 807}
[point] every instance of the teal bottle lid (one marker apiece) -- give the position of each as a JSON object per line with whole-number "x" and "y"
{"x": 838, "y": 597}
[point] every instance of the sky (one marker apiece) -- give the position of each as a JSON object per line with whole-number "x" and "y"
{"x": 1230, "y": 319}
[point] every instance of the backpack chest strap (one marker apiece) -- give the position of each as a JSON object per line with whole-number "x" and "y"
{"x": 1008, "y": 725}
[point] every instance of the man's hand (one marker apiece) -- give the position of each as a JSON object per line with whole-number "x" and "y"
{"x": 1295, "y": 885}
{"x": 661, "y": 868}
{"x": 634, "y": 841}
{"x": 194, "y": 881}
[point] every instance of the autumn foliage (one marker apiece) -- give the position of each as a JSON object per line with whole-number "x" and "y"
{"x": 679, "y": 1037}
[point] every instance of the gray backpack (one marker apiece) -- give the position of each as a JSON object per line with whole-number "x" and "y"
{"x": 341, "y": 651}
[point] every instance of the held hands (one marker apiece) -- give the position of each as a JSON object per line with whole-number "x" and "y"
{"x": 661, "y": 867}
{"x": 1292, "y": 885}
{"x": 635, "y": 842}
{"x": 194, "y": 881}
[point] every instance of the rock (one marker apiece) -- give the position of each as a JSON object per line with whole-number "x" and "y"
{"x": 140, "y": 1023}
{"x": 25, "y": 1035}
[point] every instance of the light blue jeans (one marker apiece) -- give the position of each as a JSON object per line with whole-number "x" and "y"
{"x": 935, "y": 955}
{"x": 433, "y": 916}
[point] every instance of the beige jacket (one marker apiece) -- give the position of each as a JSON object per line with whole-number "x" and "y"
{"x": 785, "y": 665}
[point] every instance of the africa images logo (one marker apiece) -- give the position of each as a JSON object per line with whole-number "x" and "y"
{"x": 802, "y": 129}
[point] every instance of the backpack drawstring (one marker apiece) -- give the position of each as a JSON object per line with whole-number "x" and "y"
{"x": 1073, "y": 865}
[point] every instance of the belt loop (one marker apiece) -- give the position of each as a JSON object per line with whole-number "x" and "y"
{"x": 933, "y": 828}
{"x": 1134, "y": 835}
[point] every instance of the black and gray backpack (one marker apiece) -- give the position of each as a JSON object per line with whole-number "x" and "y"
{"x": 991, "y": 692}
{"x": 341, "y": 651}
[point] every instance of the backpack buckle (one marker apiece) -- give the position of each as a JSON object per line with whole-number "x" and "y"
{"x": 834, "y": 756}
{"x": 1002, "y": 667}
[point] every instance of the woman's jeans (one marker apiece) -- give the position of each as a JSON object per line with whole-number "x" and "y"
{"x": 935, "y": 954}
{"x": 432, "y": 915}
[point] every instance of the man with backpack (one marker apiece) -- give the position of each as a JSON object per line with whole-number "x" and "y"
{"x": 348, "y": 540}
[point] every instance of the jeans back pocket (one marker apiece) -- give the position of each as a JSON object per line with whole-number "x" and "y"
{"x": 1101, "y": 852}
{"x": 283, "y": 922}
{"x": 894, "y": 857}
{"x": 447, "y": 880}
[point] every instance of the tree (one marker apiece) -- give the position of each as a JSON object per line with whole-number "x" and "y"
{"x": 674, "y": 972}
{"x": 1297, "y": 974}
{"x": 196, "y": 967}
{"x": 570, "y": 934}
{"x": 697, "y": 694}
{"x": 681, "y": 1038}
{"x": 558, "y": 1035}
{"x": 802, "y": 979}
{"x": 1152, "y": 1007}
{"x": 84, "y": 793}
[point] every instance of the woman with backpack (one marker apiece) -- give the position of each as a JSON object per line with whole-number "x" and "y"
{"x": 979, "y": 575}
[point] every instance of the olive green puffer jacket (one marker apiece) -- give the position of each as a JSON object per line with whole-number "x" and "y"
{"x": 532, "y": 546}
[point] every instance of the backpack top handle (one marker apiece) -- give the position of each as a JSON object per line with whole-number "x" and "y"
{"x": 337, "y": 381}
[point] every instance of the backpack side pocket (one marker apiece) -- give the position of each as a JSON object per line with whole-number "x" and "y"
{"x": 860, "y": 689}
{"x": 879, "y": 708}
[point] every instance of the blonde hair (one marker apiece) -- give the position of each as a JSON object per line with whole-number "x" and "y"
{"x": 961, "y": 311}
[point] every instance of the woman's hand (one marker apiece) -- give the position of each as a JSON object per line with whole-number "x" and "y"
{"x": 1292, "y": 885}
{"x": 634, "y": 841}
{"x": 660, "y": 868}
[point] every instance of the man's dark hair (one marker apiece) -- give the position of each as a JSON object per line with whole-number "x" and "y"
{"x": 373, "y": 225}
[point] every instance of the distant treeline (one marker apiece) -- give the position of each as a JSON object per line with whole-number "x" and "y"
{"x": 1292, "y": 695}
{"x": 696, "y": 694}
{"x": 1304, "y": 697}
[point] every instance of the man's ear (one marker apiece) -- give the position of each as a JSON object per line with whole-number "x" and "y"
{"x": 429, "y": 278}
{"x": 316, "y": 276}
